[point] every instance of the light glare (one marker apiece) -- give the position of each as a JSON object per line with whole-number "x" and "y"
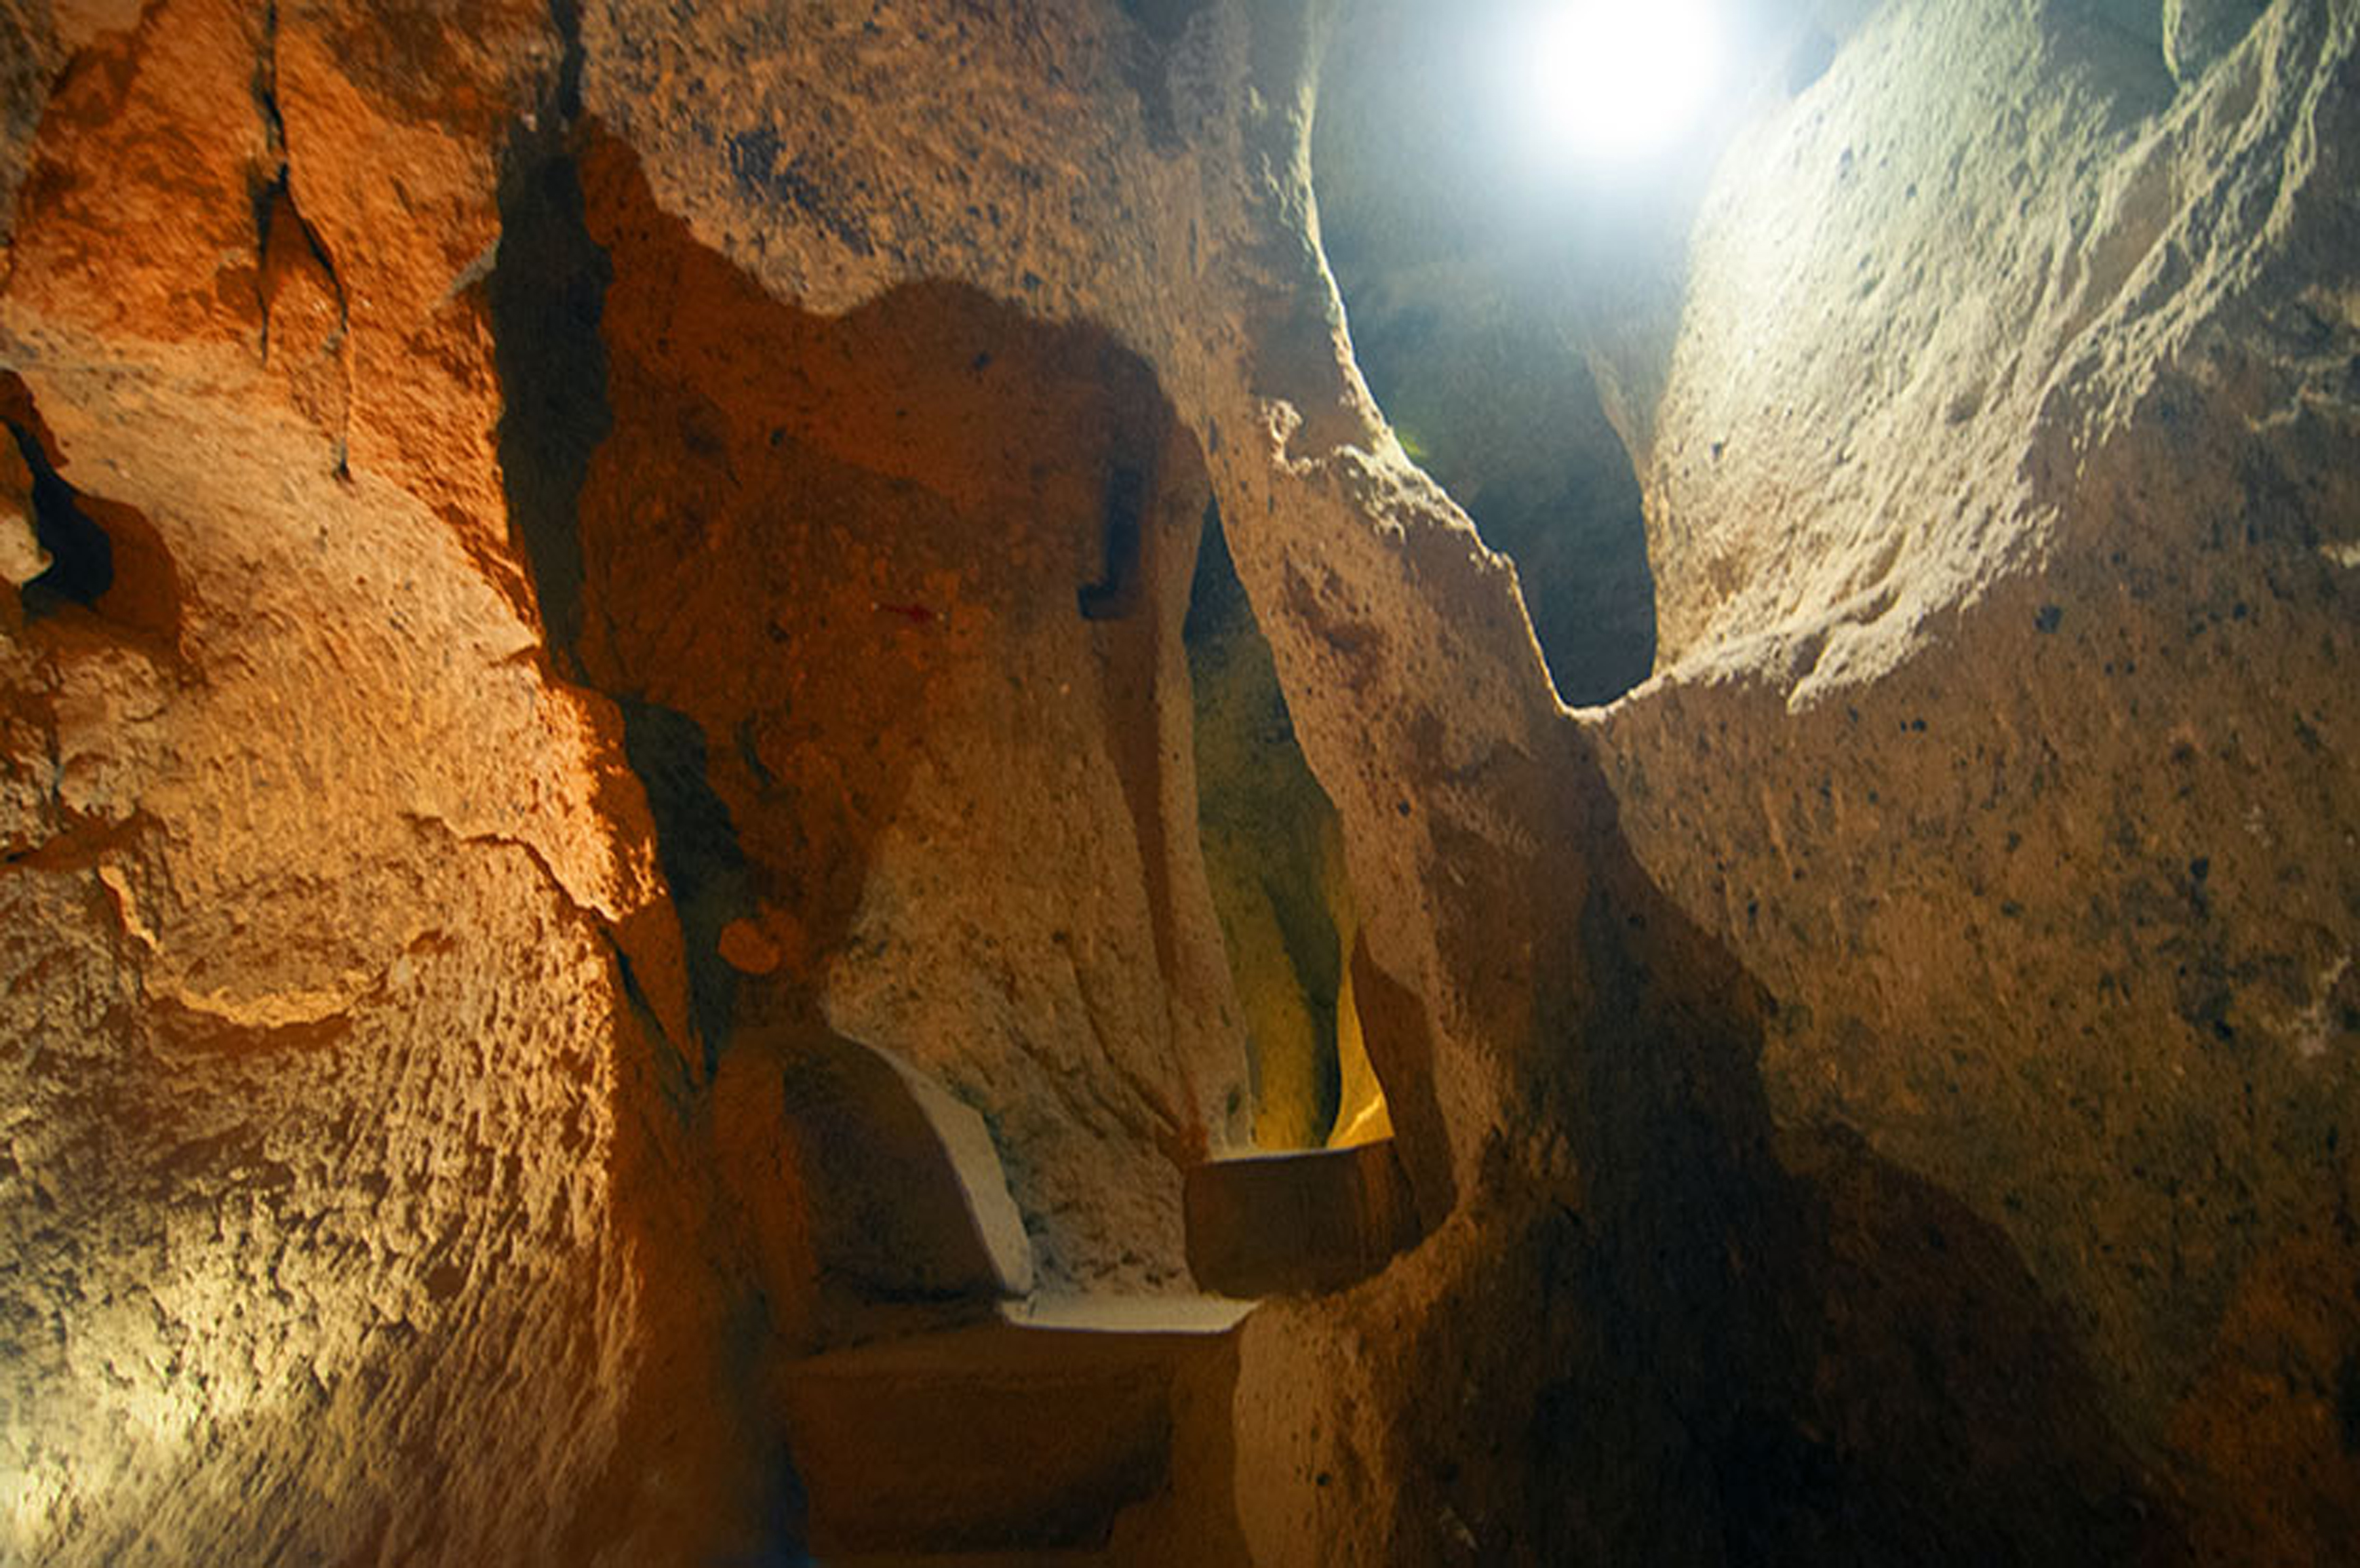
{"x": 1613, "y": 82}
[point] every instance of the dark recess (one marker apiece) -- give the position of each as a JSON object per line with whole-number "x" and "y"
{"x": 82, "y": 558}
{"x": 1116, "y": 595}
{"x": 1163, "y": 20}
{"x": 546, "y": 296}
{"x": 1260, "y": 809}
{"x": 547, "y": 300}
{"x": 1740, "y": 1344}
{"x": 696, "y": 845}
{"x": 104, "y": 557}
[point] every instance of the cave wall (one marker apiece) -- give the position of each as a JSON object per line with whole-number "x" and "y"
{"x": 2003, "y": 538}
{"x": 1878, "y": 1090}
{"x": 367, "y": 1164}
{"x": 913, "y": 577}
{"x": 314, "y": 877}
{"x": 1176, "y": 214}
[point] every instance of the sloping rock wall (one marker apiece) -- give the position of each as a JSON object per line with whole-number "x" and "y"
{"x": 1881, "y": 1091}
{"x": 314, "y": 1020}
{"x": 913, "y": 577}
{"x": 2003, "y": 538}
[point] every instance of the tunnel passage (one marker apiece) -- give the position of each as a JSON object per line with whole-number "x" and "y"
{"x": 1462, "y": 288}
{"x": 890, "y": 603}
{"x": 1275, "y": 858}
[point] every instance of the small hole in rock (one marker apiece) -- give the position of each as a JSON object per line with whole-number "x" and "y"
{"x": 100, "y": 555}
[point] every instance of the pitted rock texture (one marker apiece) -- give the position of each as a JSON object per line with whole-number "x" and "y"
{"x": 314, "y": 1014}
{"x": 2001, "y": 521}
{"x": 587, "y": 547}
{"x": 916, "y": 574}
{"x": 314, "y": 1028}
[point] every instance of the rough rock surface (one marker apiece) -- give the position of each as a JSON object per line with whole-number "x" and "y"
{"x": 913, "y": 577}
{"x": 2007, "y": 570}
{"x": 2024, "y": 751}
{"x": 589, "y": 551}
{"x": 313, "y": 1023}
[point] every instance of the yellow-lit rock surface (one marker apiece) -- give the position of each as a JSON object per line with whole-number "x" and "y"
{"x": 598, "y": 615}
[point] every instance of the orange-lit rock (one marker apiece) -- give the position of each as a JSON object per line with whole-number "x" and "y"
{"x": 139, "y": 183}
{"x": 606, "y": 926}
{"x": 746, "y": 949}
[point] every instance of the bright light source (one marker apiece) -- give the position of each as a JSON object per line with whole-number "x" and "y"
{"x": 1615, "y": 82}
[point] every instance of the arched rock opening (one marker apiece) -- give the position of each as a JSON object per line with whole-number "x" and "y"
{"x": 1468, "y": 282}
{"x": 1274, "y": 859}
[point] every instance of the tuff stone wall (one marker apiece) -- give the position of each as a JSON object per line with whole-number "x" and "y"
{"x": 2004, "y": 545}
{"x": 314, "y": 1024}
{"x": 1882, "y": 1090}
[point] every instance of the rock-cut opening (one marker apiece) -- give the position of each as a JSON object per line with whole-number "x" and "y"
{"x": 1274, "y": 859}
{"x": 1460, "y": 292}
{"x": 62, "y": 548}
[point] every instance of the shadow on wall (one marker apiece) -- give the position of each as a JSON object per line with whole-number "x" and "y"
{"x": 73, "y": 550}
{"x": 1731, "y": 1343}
{"x": 823, "y": 566}
{"x": 779, "y": 568}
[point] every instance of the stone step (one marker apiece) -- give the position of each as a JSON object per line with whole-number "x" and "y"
{"x": 1035, "y": 1433}
{"x": 1267, "y": 1224}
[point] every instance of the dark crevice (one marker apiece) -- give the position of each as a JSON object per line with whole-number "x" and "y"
{"x": 1115, "y": 597}
{"x": 266, "y": 88}
{"x": 287, "y": 245}
{"x": 676, "y": 1085}
{"x": 547, "y": 294}
{"x": 104, "y": 557}
{"x": 1268, "y": 833}
{"x": 276, "y": 218}
{"x": 565, "y": 15}
{"x": 82, "y": 558}
{"x": 268, "y": 181}
{"x": 698, "y": 850}
{"x": 1539, "y": 472}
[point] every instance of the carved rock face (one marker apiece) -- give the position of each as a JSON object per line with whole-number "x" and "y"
{"x": 579, "y": 576}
